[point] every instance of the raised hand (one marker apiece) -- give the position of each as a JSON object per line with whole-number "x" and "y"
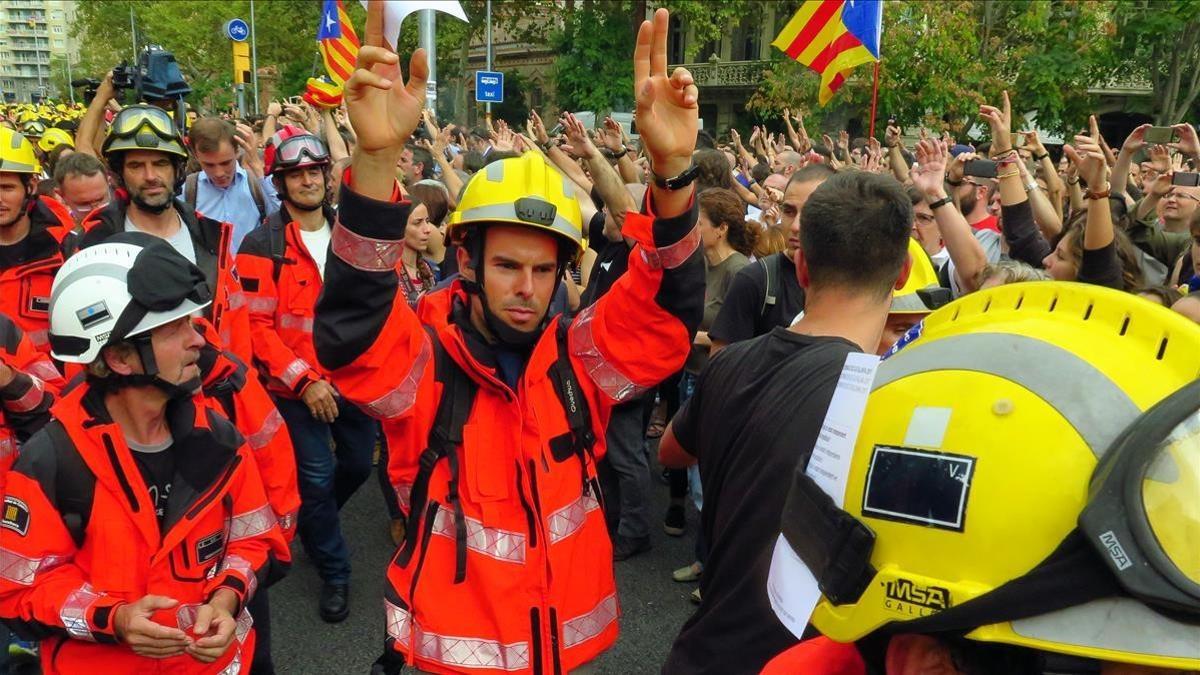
{"x": 1033, "y": 142}
{"x": 577, "y": 137}
{"x": 383, "y": 109}
{"x": 503, "y": 137}
{"x": 667, "y": 110}
{"x": 930, "y": 175}
{"x": 537, "y": 129}
{"x": 1160, "y": 158}
{"x": 954, "y": 171}
{"x": 1088, "y": 157}
{"x": 1000, "y": 120}
{"x": 612, "y": 135}
{"x": 1188, "y": 143}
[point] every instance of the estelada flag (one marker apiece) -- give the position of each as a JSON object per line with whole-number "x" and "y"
{"x": 832, "y": 37}
{"x": 338, "y": 42}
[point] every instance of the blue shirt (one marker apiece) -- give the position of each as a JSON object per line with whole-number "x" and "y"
{"x": 235, "y": 204}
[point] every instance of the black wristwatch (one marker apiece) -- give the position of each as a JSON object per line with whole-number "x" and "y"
{"x": 622, "y": 153}
{"x": 681, "y": 181}
{"x": 941, "y": 202}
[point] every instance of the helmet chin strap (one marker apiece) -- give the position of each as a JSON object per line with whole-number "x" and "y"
{"x": 502, "y": 332}
{"x": 150, "y": 377}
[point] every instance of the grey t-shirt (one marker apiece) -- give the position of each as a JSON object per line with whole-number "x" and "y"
{"x": 717, "y": 280}
{"x": 180, "y": 241}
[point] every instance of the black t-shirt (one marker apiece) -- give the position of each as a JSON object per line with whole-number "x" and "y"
{"x": 742, "y": 316}
{"x": 14, "y": 254}
{"x": 754, "y": 418}
{"x": 156, "y": 463}
{"x": 612, "y": 259}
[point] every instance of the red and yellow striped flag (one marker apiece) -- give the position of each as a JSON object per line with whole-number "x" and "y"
{"x": 832, "y": 37}
{"x": 338, "y": 42}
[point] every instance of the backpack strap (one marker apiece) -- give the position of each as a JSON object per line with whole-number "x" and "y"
{"x": 580, "y": 438}
{"x": 74, "y": 483}
{"x": 277, "y": 241}
{"x": 189, "y": 190}
{"x": 445, "y": 437}
{"x": 257, "y": 193}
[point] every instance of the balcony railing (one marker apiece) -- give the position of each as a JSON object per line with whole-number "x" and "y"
{"x": 726, "y": 73}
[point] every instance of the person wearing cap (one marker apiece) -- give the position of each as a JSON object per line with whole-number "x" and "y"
{"x": 281, "y": 266}
{"x": 148, "y": 158}
{"x": 759, "y": 406}
{"x": 135, "y": 520}
{"x": 35, "y": 237}
{"x": 1030, "y": 512}
{"x": 493, "y": 412}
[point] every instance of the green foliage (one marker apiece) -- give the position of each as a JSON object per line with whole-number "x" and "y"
{"x": 594, "y": 71}
{"x": 1159, "y": 42}
{"x": 941, "y": 60}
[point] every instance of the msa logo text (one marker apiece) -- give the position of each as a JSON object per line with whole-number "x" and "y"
{"x": 1115, "y": 550}
{"x": 910, "y": 598}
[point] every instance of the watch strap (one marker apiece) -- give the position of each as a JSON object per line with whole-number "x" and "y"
{"x": 677, "y": 182}
{"x": 941, "y": 202}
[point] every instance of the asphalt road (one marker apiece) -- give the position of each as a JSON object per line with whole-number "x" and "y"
{"x": 653, "y": 606}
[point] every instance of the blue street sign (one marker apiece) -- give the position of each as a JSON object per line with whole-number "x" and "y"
{"x": 237, "y": 30}
{"x": 489, "y": 87}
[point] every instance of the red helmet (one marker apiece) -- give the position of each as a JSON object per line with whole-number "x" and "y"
{"x": 291, "y": 148}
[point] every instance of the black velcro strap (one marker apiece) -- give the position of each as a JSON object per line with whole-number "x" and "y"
{"x": 835, "y": 545}
{"x": 580, "y": 437}
{"x": 1070, "y": 576}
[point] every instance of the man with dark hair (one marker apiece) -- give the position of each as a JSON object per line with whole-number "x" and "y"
{"x": 767, "y": 294}
{"x": 759, "y": 406}
{"x": 82, "y": 184}
{"x": 415, "y": 164}
{"x": 231, "y": 186}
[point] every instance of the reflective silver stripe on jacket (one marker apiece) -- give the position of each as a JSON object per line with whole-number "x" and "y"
{"x": 456, "y": 651}
{"x": 39, "y": 338}
{"x": 252, "y": 524}
{"x": 8, "y": 447}
{"x": 293, "y": 372}
{"x": 582, "y": 344}
{"x": 288, "y": 520}
{"x": 303, "y": 324}
{"x": 261, "y": 304}
{"x": 236, "y": 299}
{"x": 567, "y": 520}
{"x": 237, "y": 563}
{"x": 587, "y": 626}
{"x": 75, "y": 610}
{"x": 44, "y": 370}
{"x": 403, "y": 494}
{"x": 270, "y": 426}
{"x": 364, "y": 253}
{"x": 502, "y": 545}
{"x": 397, "y": 401}
{"x": 670, "y": 257}
{"x": 30, "y": 399}
{"x": 21, "y": 570}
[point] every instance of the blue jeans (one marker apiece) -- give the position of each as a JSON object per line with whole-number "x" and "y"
{"x": 332, "y": 460}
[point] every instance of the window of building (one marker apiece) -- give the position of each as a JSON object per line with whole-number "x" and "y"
{"x": 675, "y": 38}
{"x": 57, "y": 30}
{"x": 59, "y": 44}
{"x": 747, "y": 42}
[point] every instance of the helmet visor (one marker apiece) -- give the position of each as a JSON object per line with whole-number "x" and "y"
{"x": 1170, "y": 493}
{"x": 291, "y": 153}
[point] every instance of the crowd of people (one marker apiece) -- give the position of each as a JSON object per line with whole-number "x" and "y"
{"x": 213, "y": 330}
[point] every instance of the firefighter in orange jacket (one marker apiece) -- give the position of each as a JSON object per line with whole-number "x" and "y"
{"x": 148, "y": 158}
{"x": 281, "y": 264}
{"x": 35, "y": 235}
{"x": 494, "y": 412}
{"x": 28, "y": 384}
{"x": 135, "y": 524}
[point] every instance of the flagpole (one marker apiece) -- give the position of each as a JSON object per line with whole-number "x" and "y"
{"x": 874, "y": 99}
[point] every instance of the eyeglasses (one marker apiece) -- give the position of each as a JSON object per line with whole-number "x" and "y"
{"x": 1179, "y": 194}
{"x": 79, "y": 212}
{"x": 923, "y": 219}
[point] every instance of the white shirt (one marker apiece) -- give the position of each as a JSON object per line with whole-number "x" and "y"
{"x": 180, "y": 241}
{"x": 317, "y": 243}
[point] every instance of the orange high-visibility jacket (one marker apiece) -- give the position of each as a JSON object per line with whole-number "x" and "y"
{"x": 281, "y": 282}
{"x": 24, "y": 402}
{"x": 25, "y": 287}
{"x": 79, "y": 536}
{"x": 509, "y": 567}
{"x": 210, "y": 238}
{"x": 234, "y": 388}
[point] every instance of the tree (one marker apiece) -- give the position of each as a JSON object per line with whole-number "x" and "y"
{"x": 593, "y": 71}
{"x": 1159, "y": 42}
{"x": 941, "y": 60}
{"x": 193, "y": 31}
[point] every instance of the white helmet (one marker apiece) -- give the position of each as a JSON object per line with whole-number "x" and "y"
{"x": 119, "y": 289}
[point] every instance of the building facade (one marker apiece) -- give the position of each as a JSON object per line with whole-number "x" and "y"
{"x": 33, "y": 32}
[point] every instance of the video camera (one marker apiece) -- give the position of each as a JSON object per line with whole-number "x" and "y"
{"x": 155, "y": 79}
